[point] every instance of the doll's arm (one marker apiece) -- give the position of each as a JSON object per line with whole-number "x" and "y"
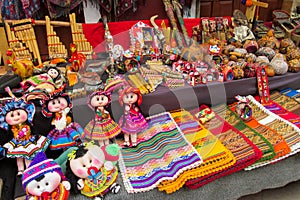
{"x": 80, "y": 184}
{"x": 66, "y": 184}
{"x": 109, "y": 165}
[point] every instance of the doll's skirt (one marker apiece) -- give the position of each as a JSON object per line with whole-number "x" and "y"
{"x": 102, "y": 130}
{"x": 133, "y": 124}
{"x": 26, "y": 148}
{"x": 66, "y": 138}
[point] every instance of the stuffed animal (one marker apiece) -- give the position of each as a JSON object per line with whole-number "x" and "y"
{"x": 16, "y": 117}
{"x": 92, "y": 170}
{"x": 44, "y": 180}
{"x": 66, "y": 132}
{"x": 102, "y": 127}
{"x": 132, "y": 121}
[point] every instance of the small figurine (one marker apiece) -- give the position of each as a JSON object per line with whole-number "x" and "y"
{"x": 16, "y": 116}
{"x": 132, "y": 121}
{"x": 66, "y": 132}
{"x": 78, "y": 62}
{"x": 243, "y": 108}
{"x": 92, "y": 170}
{"x": 44, "y": 179}
{"x": 50, "y": 80}
{"x": 102, "y": 127}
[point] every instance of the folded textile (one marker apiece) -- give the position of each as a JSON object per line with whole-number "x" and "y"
{"x": 216, "y": 157}
{"x": 287, "y": 102}
{"x": 162, "y": 153}
{"x": 245, "y": 152}
{"x": 280, "y": 146}
{"x": 289, "y": 131}
{"x": 259, "y": 140}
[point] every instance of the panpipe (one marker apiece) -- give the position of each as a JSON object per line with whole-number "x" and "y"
{"x": 56, "y": 49}
{"x": 22, "y": 39}
{"x": 83, "y": 46}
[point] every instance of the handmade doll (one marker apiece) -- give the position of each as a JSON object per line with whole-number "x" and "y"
{"x": 102, "y": 127}
{"x": 132, "y": 121}
{"x": 66, "y": 133}
{"x": 50, "y": 80}
{"x": 16, "y": 117}
{"x": 44, "y": 180}
{"x": 243, "y": 108}
{"x": 92, "y": 170}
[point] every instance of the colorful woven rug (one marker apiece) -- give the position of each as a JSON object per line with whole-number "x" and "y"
{"x": 259, "y": 140}
{"x": 285, "y": 101}
{"x": 289, "y": 131}
{"x": 281, "y": 148}
{"x": 162, "y": 153}
{"x": 216, "y": 157}
{"x": 245, "y": 152}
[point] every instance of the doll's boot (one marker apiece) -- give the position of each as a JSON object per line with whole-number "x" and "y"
{"x": 115, "y": 188}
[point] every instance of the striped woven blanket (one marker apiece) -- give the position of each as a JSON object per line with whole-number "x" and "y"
{"x": 215, "y": 155}
{"x": 245, "y": 152}
{"x": 162, "y": 154}
{"x": 281, "y": 148}
{"x": 259, "y": 140}
{"x": 289, "y": 103}
{"x": 289, "y": 131}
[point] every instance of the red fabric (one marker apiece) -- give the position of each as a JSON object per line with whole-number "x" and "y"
{"x": 94, "y": 33}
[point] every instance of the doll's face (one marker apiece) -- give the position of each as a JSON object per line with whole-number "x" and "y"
{"x": 16, "y": 117}
{"x": 130, "y": 98}
{"x": 93, "y": 158}
{"x": 46, "y": 184}
{"x": 99, "y": 101}
{"x": 57, "y": 104}
{"x": 53, "y": 73}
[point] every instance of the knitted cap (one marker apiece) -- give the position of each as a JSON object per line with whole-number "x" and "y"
{"x": 39, "y": 166}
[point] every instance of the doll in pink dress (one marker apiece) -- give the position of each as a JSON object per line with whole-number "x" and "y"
{"x": 132, "y": 121}
{"x": 102, "y": 127}
{"x": 16, "y": 117}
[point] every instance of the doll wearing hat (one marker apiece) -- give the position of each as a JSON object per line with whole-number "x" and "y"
{"x": 44, "y": 180}
{"x": 66, "y": 132}
{"x": 132, "y": 121}
{"x": 92, "y": 170}
{"x": 102, "y": 127}
{"x": 16, "y": 116}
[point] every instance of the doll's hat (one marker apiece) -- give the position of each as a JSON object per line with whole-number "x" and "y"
{"x": 39, "y": 166}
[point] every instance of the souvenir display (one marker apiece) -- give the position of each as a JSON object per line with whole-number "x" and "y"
{"x": 66, "y": 132}
{"x": 102, "y": 128}
{"x": 44, "y": 179}
{"x": 132, "y": 121}
{"x": 16, "y": 118}
{"x": 92, "y": 170}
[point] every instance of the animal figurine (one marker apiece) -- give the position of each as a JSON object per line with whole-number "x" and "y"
{"x": 44, "y": 180}
{"x": 77, "y": 63}
{"x": 16, "y": 117}
{"x": 102, "y": 127}
{"x": 132, "y": 121}
{"x": 92, "y": 170}
{"x": 22, "y": 68}
{"x": 65, "y": 133}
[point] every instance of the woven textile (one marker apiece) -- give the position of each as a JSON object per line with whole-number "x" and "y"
{"x": 259, "y": 140}
{"x": 162, "y": 153}
{"x": 282, "y": 112}
{"x": 285, "y": 101}
{"x": 289, "y": 131}
{"x": 245, "y": 152}
{"x": 215, "y": 155}
{"x": 279, "y": 144}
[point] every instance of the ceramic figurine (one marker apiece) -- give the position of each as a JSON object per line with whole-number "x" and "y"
{"x": 132, "y": 121}
{"x": 92, "y": 170}
{"x": 66, "y": 133}
{"x": 16, "y": 117}
{"x": 44, "y": 179}
{"x": 102, "y": 127}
